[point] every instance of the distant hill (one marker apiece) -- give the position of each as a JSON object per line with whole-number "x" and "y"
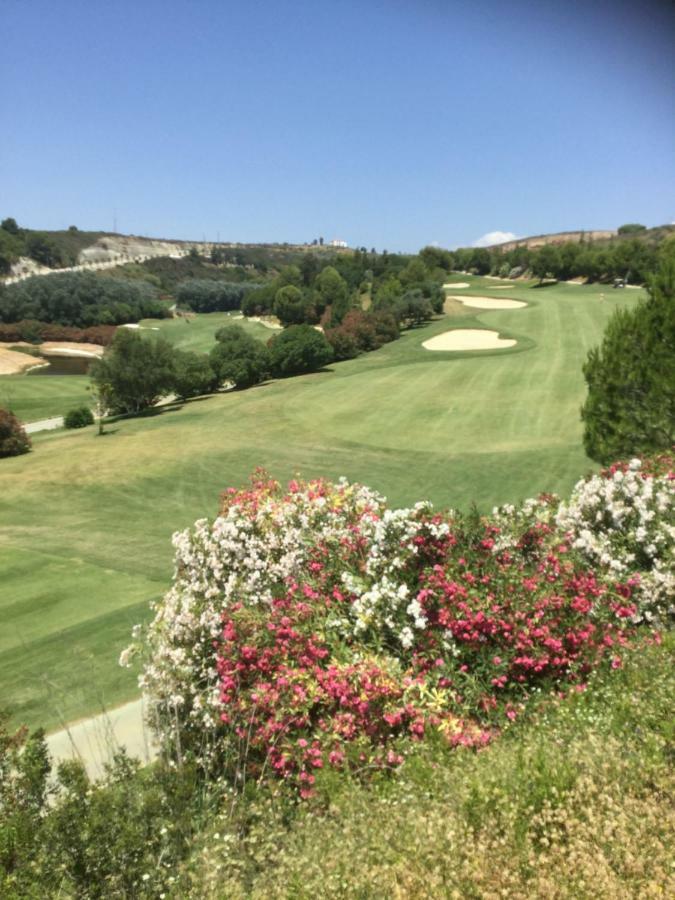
{"x": 650, "y": 235}
{"x": 25, "y": 252}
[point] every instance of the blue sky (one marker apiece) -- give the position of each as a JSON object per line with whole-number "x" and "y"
{"x": 390, "y": 124}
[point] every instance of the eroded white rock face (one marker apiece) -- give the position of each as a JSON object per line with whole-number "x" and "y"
{"x": 468, "y": 339}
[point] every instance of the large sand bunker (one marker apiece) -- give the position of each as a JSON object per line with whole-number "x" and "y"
{"x": 468, "y": 339}
{"x": 13, "y": 363}
{"x": 456, "y": 284}
{"x": 490, "y": 302}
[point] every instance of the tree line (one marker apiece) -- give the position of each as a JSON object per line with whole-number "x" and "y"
{"x": 627, "y": 257}
{"x": 80, "y": 299}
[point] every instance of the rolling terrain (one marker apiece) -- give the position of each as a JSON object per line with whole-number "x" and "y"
{"x": 87, "y": 521}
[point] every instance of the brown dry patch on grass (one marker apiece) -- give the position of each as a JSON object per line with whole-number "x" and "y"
{"x": 452, "y": 307}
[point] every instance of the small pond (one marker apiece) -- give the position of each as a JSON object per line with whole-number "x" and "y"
{"x": 63, "y": 365}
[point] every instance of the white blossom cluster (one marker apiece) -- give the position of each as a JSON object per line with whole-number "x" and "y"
{"x": 625, "y": 523}
{"x": 239, "y": 557}
{"x": 383, "y": 603}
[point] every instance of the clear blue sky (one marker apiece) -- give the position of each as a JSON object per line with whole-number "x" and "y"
{"x": 390, "y": 124}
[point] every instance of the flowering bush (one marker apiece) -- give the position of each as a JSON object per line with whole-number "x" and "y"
{"x": 619, "y": 521}
{"x": 316, "y": 628}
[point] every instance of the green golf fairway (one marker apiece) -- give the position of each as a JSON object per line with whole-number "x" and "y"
{"x": 86, "y": 521}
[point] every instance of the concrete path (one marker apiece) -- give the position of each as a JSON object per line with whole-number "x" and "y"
{"x": 44, "y": 425}
{"x": 94, "y": 740}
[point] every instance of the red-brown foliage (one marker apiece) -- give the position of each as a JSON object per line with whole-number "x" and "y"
{"x": 34, "y": 332}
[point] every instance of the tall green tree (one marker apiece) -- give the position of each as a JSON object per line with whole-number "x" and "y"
{"x": 290, "y": 305}
{"x": 134, "y": 372}
{"x": 630, "y": 406}
{"x": 238, "y": 359}
{"x": 332, "y": 290}
{"x": 299, "y": 349}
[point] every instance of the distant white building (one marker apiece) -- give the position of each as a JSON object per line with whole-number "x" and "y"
{"x": 337, "y": 243}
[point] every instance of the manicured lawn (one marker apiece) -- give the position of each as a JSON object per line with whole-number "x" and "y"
{"x": 33, "y": 397}
{"x": 86, "y": 521}
{"x": 198, "y": 334}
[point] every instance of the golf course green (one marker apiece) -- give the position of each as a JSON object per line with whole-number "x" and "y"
{"x": 86, "y": 521}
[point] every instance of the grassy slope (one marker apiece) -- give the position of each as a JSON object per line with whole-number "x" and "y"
{"x": 33, "y": 397}
{"x": 86, "y": 521}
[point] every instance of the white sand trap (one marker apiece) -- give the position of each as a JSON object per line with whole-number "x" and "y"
{"x": 468, "y": 339}
{"x": 490, "y": 302}
{"x": 456, "y": 284}
{"x": 13, "y": 363}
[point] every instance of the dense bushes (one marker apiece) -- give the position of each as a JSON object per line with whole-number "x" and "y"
{"x": 13, "y": 438}
{"x": 299, "y": 349}
{"x": 79, "y": 417}
{"x": 212, "y": 296}
{"x": 630, "y": 406}
{"x": 80, "y": 299}
{"x": 36, "y": 332}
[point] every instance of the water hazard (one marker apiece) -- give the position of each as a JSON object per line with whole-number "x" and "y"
{"x": 62, "y": 365}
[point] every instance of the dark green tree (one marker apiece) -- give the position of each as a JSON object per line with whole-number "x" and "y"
{"x": 9, "y": 224}
{"x": 546, "y": 262}
{"x": 630, "y": 407}
{"x": 194, "y": 375}
{"x": 299, "y": 349}
{"x": 332, "y": 290}
{"x": 238, "y": 358}
{"x": 631, "y": 228}
{"x": 290, "y": 306}
{"x": 134, "y": 372}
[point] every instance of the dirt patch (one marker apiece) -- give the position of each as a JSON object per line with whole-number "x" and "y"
{"x": 468, "y": 339}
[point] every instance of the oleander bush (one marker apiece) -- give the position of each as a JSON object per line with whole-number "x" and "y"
{"x": 13, "y": 439}
{"x": 314, "y": 628}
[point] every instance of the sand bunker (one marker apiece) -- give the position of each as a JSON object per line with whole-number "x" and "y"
{"x": 71, "y": 348}
{"x": 267, "y": 321}
{"x": 468, "y": 339}
{"x": 12, "y": 362}
{"x": 456, "y": 284}
{"x": 489, "y": 302}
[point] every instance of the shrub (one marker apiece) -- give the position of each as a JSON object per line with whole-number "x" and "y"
{"x": 315, "y": 628}
{"x": 13, "y": 438}
{"x": 299, "y": 349}
{"x": 630, "y": 408}
{"x": 79, "y": 417}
